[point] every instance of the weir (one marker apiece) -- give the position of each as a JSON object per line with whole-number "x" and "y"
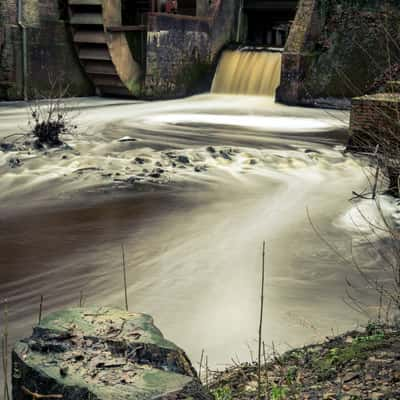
{"x": 248, "y": 72}
{"x": 255, "y": 68}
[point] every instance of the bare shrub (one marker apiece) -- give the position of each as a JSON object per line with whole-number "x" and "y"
{"x": 50, "y": 117}
{"x": 377, "y": 145}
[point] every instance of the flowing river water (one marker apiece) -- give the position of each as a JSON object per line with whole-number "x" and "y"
{"x": 193, "y": 244}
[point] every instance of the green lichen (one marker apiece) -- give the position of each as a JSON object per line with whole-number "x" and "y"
{"x": 80, "y": 319}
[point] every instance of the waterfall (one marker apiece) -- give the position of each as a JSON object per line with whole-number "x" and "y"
{"x": 248, "y": 72}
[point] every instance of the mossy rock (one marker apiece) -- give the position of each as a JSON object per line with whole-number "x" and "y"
{"x": 101, "y": 353}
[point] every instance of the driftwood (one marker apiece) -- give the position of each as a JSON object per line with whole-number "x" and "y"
{"x": 41, "y": 396}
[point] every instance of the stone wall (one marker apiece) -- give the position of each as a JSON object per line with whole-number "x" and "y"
{"x": 9, "y": 34}
{"x": 181, "y": 51}
{"x": 224, "y": 24}
{"x": 177, "y": 55}
{"x": 297, "y": 55}
{"x": 337, "y": 49}
{"x": 50, "y": 55}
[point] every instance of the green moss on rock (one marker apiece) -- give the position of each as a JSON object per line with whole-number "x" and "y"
{"x": 102, "y": 353}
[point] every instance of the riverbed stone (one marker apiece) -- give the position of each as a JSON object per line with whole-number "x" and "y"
{"x": 102, "y": 353}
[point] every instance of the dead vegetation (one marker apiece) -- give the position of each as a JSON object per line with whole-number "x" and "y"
{"x": 49, "y": 118}
{"x": 357, "y": 365}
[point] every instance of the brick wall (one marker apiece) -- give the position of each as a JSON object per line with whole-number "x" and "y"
{"x": 375, "y": 120}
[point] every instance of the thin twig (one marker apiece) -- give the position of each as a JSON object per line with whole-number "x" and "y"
{"x": 201, "y": 363}
{"x": 207, "y": 371}
{"x": 4, "y": 346}
{"x": 40, "y": 310}
{"x": 261, "y": 321}
{"x": 81, "y": 299}
{"x": 125, "y": 284}
{"x": 376, "y": 174}
{"x": 40, "y": 396}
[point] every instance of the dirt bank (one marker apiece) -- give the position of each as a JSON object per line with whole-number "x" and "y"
{"x": 356, "y": 365}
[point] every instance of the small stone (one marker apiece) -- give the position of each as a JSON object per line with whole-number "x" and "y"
{"x": 156, "y": 173}
{"x": 354, "y": 393}
{"x": 139, "y": 160}
{"x": 350, "y": 376}
{"x": 7, "y": 146}
{"x": 211, "y": 149}
{"x": 183, "y": 159}
{"x": 200, "y": 168}
{"x": 225, "y": 155}
{"x": 14, "y": 162}
{"x": 253, "y": 161}
{"x": 377, "y": 395}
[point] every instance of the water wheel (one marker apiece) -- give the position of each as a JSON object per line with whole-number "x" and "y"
{"x": 109, "y": 37}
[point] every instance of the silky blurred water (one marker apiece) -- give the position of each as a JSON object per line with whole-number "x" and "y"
{"x": 193, "y": 249}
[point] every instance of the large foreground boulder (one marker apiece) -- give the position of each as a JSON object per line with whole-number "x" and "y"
{"x": 100, "y": 353}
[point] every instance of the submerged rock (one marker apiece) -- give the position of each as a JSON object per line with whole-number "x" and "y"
{"x": 7, "y": 146}
{"x": 225, "y": 154}
{"x": 100, "y": 353}
{"x": 140, "y": 160}
{"x": 211, "y": 149}
{"x": 14, "y": 162}
{"x": 183, "y": 159}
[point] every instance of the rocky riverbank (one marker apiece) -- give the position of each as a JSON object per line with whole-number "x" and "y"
{"x": 101, "y": 353}
{"x": 354, "y": 366}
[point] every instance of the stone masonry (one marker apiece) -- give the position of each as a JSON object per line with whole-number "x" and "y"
{"x": 50, "y": 55}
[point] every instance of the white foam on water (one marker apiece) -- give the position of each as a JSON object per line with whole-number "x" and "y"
{"x": 99, "y": 155}
{"x": 272, "y": 124}
{"x": 371, "y": 219}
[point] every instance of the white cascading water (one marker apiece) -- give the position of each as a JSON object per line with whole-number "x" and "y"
{"x": 248, "y": 72}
